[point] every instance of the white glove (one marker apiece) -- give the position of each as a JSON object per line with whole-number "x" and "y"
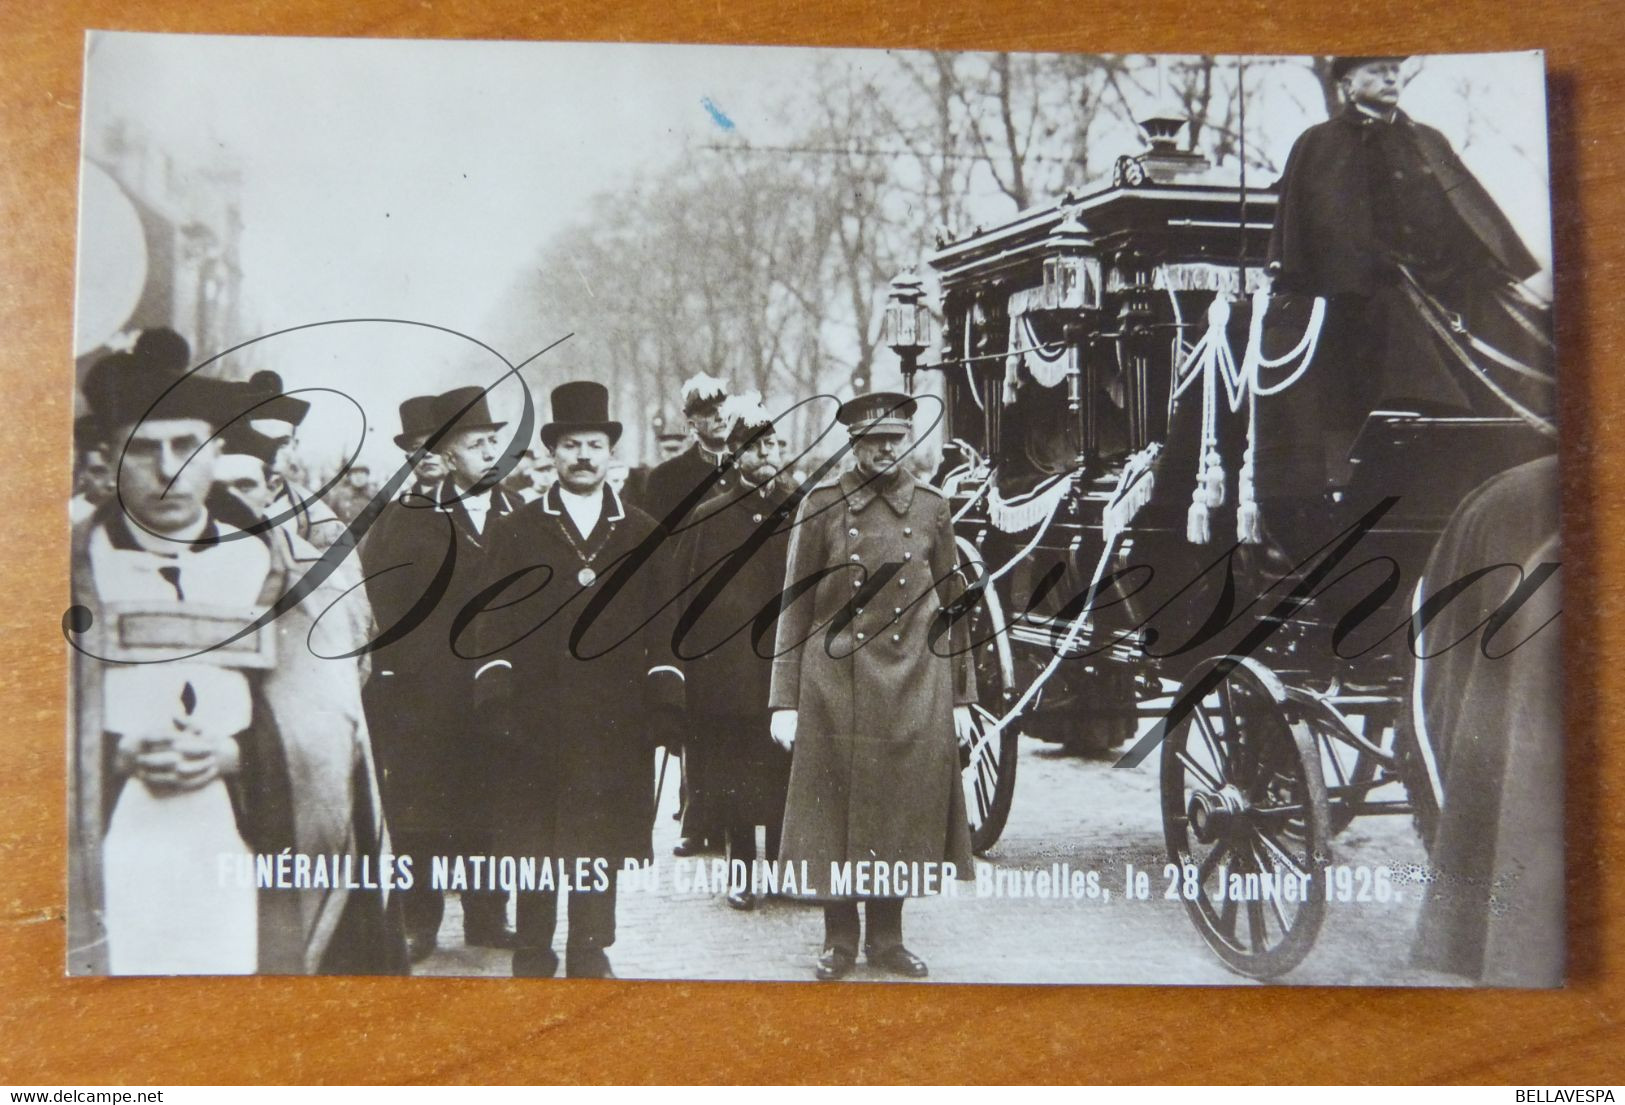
{"x": 784, "y": 728}
{"x": 964, "y": 726}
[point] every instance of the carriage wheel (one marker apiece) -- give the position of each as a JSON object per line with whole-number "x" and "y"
{"x": 1244, "y": 807}
{"x": 988, "y": 766}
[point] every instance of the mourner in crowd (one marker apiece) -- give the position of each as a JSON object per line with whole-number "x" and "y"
{"x": 575, "y": 697}
{"x": 278, "y": 415}
{"x": 689, "y": 477}
{"x": 1421, "y": 272}
{"x": 188, "y": 766}
{"x": 735, "y": 551}
{"x": 437, "y": 777}
{"x": 668, "y": 444}
{"x": 353, "y": 493}
{"x": 525, "y": 480}
{"x": 417, "y": 423}
{"x": 92, "y": 471}
{"x": 243, "y": 473}
{"x": 869, "y": 707}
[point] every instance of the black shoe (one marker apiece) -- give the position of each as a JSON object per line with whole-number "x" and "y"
{"x": 742, "y": 899}
{"x": 899, "y": 961}
{"x": 688, "y": 846}
{"x": 419, "y": 946}
{"x": 835, "y": 963}
{"x": 587, "y": 963}
{"x": 535, "y": 963}
{"x": 489, "y": 934}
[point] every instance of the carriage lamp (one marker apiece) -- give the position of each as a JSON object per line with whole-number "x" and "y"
{"x": 1071, "y": 270}
{"x": 908, "y": 322}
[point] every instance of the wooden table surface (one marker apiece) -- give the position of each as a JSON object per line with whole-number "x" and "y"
{"x": 59, "y": 1032}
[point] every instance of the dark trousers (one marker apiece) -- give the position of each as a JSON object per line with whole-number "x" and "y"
{"x": 592, "y": 924}
{"x": 742, "y": 841}
{"x": 885, "y": 925}
{"x": 423, "y": 907}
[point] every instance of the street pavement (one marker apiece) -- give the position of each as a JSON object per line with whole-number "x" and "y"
{"x": 1067, "y": 810}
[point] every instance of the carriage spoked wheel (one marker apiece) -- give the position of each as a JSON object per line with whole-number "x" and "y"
{"x": 1245, "y": 813}
{"x": 988, "y": 764}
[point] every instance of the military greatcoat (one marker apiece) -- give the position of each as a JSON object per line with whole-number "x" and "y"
{"x": 875, "y": 771}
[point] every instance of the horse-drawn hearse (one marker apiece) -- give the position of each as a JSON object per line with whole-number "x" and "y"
{"x": 1112, "y": 369}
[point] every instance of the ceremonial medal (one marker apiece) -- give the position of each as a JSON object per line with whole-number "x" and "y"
{"x": 586, "y": 577}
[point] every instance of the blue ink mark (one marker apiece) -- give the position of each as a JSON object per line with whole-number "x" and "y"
{"x": 718, "y": 116}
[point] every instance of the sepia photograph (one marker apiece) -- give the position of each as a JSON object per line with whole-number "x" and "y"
{"x": 785, "y": 514}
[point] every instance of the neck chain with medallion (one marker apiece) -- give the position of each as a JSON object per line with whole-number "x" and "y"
{"x": 586, "y": 576}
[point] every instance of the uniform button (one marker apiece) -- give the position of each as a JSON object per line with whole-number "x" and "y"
{"x": 908, "y": 556}
{"x": 853, "y": 532}
{"x": 857, "y": 583}
{"x": 853, "y": 558}
{"x": 860, "y": 636}
{"x": 897, "y": 610}
{"x": 901, "y": 581}
{"x": 897, "y": 636}
{"x": 859, "y": 610}
{"x": 908, "y": 531}
{"x": 755, "y": 517}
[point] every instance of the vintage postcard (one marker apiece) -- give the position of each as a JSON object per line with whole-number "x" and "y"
{"x": 693, "y": 512}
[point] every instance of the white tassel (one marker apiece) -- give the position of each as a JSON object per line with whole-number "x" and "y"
{"x": 1213, "y": 479}
{"x": 1198, "y": 526}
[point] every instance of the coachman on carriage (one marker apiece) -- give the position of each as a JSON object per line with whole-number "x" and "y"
{"x": 1196, "y": 524}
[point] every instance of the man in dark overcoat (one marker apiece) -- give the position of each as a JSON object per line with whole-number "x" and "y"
{"x": 670, "y": 493}
{"x": 424, "y": 558}
{"x": 734, "y": 551}
{"x": 869, "y": 695}
{"x": 578, "y": 685}
{"x": 1417, "y": 263}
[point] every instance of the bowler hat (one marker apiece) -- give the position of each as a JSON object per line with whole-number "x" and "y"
{"x": 580, "y": 405}
{"x": 462, "y": 409}
{"x": 882, "y": 412}
{"x": 417, "y": 421}
{"x": 1342, "y": 67}
{"x": 268, "y": 400}
{"x": 151, "y": 382}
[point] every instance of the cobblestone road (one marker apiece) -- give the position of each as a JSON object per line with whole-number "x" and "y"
{"x": 1081, "y": 812}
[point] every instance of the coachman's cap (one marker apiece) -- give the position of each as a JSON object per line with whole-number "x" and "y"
{"x": 150, "y": 383}
{"x": 417, "y": 421}
{"x": 461, "y": 409}
{"x": 1342, "y": 67}
{"x": 879, "y": 412}
{"x": 580, "y": 405}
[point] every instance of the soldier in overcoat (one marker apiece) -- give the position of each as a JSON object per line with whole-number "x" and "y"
{"x": 424, "y": 558}
{"x": 868, "y": 693}
{"x": 734, "y": 551}
{"x": 578, "y": 684}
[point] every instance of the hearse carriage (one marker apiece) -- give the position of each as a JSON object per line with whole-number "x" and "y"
{"x": 1106, "y": 370}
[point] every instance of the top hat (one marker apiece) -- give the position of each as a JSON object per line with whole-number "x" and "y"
{"x": 268, "y": 400}
{"x": 417, "y": 421}
{"x": 151, "y": 383}
{"x": 580, "y": 405}
{"x": 1342, "y": 67}
{"x": 461, "y": 409}
{"x": 879, "y": 412}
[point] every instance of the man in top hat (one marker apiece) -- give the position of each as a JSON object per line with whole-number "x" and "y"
{"x": 277, "y": 415}
{"x": 578, "y": 684}
{"x": 1378, "y": 215}
{"x": 670, "y": 492}
{"x": 191, "y": 755}
{"x": 425, "y": 558}
{"x": 735, "y": 551}
{"x": 870, "y": 708}
{"x": 417, "y": 423}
